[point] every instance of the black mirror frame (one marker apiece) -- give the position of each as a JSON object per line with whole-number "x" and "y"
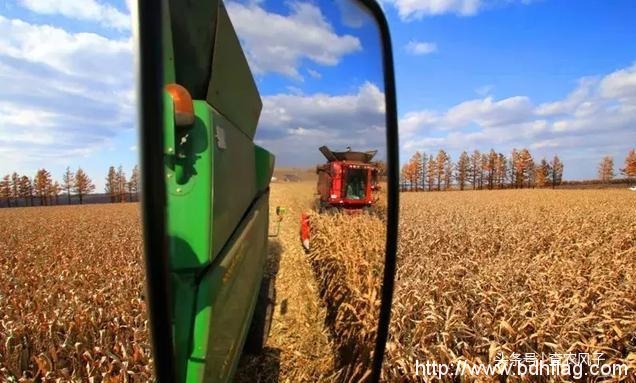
{"x": 149, "y": 71}
{"x": 392, "y": 155}
{"x": 153, "y": 199}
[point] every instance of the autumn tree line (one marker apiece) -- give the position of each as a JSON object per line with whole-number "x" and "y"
{"x": 492, "y": 170}
{"x": 43, "y": 190}
{"x": 606, "y": 171}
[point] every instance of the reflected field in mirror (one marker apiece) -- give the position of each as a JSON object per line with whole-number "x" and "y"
{"x": 323, "y": 118}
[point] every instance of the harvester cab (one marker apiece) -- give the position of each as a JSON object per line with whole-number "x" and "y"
{"x": 346, "y": 181}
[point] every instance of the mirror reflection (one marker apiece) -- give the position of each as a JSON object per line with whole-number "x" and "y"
{"x": 274, "y": 155}
{"x": 276, "y": 188}
{"x": 323, "y": 118}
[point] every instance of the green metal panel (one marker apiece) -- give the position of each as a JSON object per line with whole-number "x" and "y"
{"x": 234, "y": 178}
{"x": 166, "y": 41}
{"x": 193, "y": 24}
{"x": 189, "y": 184}
{"x": 216, "y": 184}
{"x": 264, "y": 167}
{"x": 211, "y": 182}
{"x": 226, "y": 299}
{"x": 189, "y": 159}
{"x": 232, "y": 90}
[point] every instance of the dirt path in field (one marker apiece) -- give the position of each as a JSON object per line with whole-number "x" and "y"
{"x": 298, "y": 349}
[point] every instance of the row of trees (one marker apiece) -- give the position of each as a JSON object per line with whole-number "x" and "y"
{"x": 606, "y": 171}
{"x": 492, "y": 170}
{"x": 489, "y": 170}
{"x": 43, "y": 190}
{"x": 117, "y": 187}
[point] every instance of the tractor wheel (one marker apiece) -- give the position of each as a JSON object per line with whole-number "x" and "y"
{"x": 262, "y": 319}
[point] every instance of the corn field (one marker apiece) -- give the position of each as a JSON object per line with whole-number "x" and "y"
{"x": 71, "y": 304}
{"x": 347, "y": 256}
{"x": 480, "y": 273}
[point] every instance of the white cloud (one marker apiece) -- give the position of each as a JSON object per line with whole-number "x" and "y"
{"x": 620, "y": 84}
{"x": 294, "y": 126}
{"x": 482, "y": 112}
{"x": 413, "y": 121}
{"x": 568, "y": 105}
{"x": 352, "y": 13}
{"x": 314, "y": 74}
{"x": 420, "y": 48}
{"x": 485, "y": 90}
{"x": 416, "y": 9}
{"x": 64, "y": 95}
{"x": 596, "y": 118}
{"x": 81, "y": 54}
{"x": 486, "y": 112}
{"x": 87, "y": 10}
{"x": 278, "y": 43}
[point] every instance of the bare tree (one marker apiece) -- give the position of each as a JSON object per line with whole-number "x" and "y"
{"x": 448, "y": 174}
{"x": 630, "y": 164}
{"x": 26, "y": 190}
{"x": 422, "y": 176}
{"x": 491, "y": 168}
{"x": 431, "y": 172}
{"x": 523, "y": 167}
{"x": 542, "y": 173}
{"x": 441, "y": 161}
{"x": 415, "y": 170}
{"x": 5, "y": 189}
{"x": 501, "y": 170}
{"x": 83, "y": 184}
{"x": 556, "y": 171}
{"x": 475, "y": 169}
{"x": 606, "y": 169}
{"x": 111, "y": 184}
{"x": 463, "y": 163}
{"x": 42, "y": 185}
{"x": 133, "y": 182}
{"x": 121, "y": 184}
{"x": 15, "y": 188}
{"x": 403, "y": 176}
{"x": 56, "y": 189}
{"x": 68, "y": 179}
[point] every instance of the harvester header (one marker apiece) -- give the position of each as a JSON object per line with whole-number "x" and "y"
{"x": 348, "y": 155}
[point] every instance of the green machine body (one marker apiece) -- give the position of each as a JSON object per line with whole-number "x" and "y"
{"x": 217, "y": 187}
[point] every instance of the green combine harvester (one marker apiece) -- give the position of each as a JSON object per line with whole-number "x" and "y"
{"x": 217, "y": 193}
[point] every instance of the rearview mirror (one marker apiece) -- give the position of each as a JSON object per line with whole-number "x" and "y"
{"x": 248, "y": 111}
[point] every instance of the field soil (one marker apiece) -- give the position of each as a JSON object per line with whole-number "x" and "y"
{"x": 298, "y": 349}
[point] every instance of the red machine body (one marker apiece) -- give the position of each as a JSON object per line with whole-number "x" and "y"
{"x": 347, "y": 180}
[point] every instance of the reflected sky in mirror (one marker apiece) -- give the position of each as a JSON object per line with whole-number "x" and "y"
{"x": 318, "y": 68}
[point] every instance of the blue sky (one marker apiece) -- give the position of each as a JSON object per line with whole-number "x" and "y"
{"x": 471, "y": 74}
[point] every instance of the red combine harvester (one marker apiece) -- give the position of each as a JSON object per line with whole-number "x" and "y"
{"x": 345, "y": 183}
